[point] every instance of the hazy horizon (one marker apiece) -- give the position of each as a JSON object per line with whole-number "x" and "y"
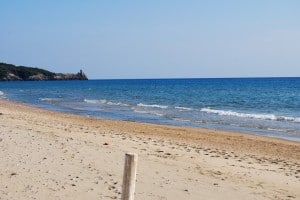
{"x": 149, "y": 40}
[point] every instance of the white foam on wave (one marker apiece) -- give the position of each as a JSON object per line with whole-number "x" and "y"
{"x": 117, "y": 104}
{"x": 152, "y": 106}
{"x": 104, "y": 101}
{"x": 182, "y": 120}
{"x": 94, "y": 101}
{"x": 2, "y": 95}
{"x": 148, "y": 112}
{"x": 49, "y": 99}
{"x": 253, "y": 116}
{"x": 292, "y": 119}
{"x": 183, "y": 108}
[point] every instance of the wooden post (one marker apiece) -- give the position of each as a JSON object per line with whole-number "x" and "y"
{"x": 129, "y": 176}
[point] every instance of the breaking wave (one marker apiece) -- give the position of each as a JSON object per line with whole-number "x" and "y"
{"x": 152, "y": 106}
{"x": 2, "y": 95}
{"x": 93, "y": 101}
{"x": 50, "y": 99}
{"x": 253, "y": 116}
{"x": 104, "y": 101}
{"x": 183, "y": 108}
{"x": 149, "y": 112}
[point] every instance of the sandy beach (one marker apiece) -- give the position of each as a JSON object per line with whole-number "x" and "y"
{"x": 51, "y": 155}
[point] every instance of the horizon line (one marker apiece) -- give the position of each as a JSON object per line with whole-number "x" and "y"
{"x": 254, "y": 77}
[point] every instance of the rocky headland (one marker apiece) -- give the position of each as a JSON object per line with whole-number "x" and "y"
{"x": 10, "y": 72}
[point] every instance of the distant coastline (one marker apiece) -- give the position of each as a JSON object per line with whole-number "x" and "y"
{"x": 10, "y": 72}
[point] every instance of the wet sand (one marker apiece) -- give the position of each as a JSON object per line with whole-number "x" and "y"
{"x": 51, "y": 155}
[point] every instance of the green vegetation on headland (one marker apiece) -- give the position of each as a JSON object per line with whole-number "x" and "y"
{"x": 9, "y": 72}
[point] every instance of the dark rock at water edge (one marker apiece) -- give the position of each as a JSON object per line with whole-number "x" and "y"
{"x": 9, "y": 72}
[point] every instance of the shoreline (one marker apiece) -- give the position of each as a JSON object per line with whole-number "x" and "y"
{"x": 174, "y": 162}
{"x": 192, "y": 133}
{"x": 100, "y": 98}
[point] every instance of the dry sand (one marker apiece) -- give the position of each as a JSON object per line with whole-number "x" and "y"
{"x": 50, "y": 155}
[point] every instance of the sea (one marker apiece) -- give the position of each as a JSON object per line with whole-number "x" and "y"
{"x": 262, "y": 106}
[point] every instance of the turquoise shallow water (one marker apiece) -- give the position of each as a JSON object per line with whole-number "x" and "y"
{"x": 266, "y": 106}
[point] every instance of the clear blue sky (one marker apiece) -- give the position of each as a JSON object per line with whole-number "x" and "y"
{"x": 154, "y": 38}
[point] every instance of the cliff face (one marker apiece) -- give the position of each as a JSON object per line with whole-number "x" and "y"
{"x": 9, "y": 72}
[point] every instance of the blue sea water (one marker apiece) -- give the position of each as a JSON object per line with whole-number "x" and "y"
{"x": 265, "y": 106}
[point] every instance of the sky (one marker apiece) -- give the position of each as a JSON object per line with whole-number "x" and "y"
{"x": 120, "y": 39}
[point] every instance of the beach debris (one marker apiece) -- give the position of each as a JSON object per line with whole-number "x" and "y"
{"x": 111, "y": 187}
{"x": 13, "y": 174}
{"x": 105, "y": 143}
{"x": 290, "y": 196}
{"x": 1, "y": 113}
